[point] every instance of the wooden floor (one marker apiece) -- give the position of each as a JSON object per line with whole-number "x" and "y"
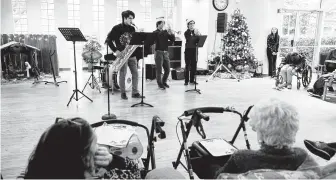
{"x": 27, "y": 110}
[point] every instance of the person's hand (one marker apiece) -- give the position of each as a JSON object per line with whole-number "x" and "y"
{"x": 116, "y": 53}
{"x": 295, "y": 70}
{"x": 102, "y": 157}
{"x": 197, "y": 32}
{"x": 274, "y": 53}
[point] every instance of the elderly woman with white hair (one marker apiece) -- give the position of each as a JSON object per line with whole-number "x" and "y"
{"x": 276, "y": 124}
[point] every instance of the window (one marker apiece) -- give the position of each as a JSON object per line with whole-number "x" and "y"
{"x": 73, "y": 13}
{"x": 147, "y": 9}
{"x": 20, "y": 16}
{"x": 98, "y": 19}
{"x": 288, "y": 24}
{"x": 122, "y": 5}
{"x": 47, "y": 17}
{"x": 168, "y": 7}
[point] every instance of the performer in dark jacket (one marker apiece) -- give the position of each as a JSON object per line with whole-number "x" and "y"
{"x": 190, "y": 53}
{"x": 120, "y": 35}
{"x": 272, "y": 50}
{"x": 161, "y": 52}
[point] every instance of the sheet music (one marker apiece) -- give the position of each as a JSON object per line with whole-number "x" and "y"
{"x": 115, "y": 135}
{"x": 218, "y": 147}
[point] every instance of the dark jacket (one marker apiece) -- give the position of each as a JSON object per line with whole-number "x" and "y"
{"x": 161, "y": 43}
{"x": 273, "y": 42}
{"x": 267, "y": 158}
{"x": 294, "y": 59}
{"x": 188, "y": 34}
{"x": 117, "y": 38}
{"x": 331, "y": 55}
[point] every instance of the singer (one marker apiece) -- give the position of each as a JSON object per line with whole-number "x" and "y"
{"x": 190, "y": 53}
{"x": 117, "y": 41}
{"x": 161, "y": 52}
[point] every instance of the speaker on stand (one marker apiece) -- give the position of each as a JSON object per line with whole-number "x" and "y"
{"x": 221, "y": 26}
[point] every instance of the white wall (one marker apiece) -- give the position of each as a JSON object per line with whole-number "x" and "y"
{"x": 261, "y": 16}
{"x": 7, "y": 22}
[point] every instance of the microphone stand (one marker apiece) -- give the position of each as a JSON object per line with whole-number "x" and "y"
{"x": 108, "y": 116}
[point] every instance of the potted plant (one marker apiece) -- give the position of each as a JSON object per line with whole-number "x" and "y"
{"x": 92, "y": 45}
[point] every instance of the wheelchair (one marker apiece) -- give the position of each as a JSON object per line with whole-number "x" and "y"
{"x": 303, "y": 76}
{"x": 156, "y": 127}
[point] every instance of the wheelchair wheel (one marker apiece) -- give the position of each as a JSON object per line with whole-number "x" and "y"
{"x": 307, "y": 76}
{"x": 298, "y": 84}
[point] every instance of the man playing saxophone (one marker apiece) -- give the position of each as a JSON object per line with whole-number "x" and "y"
{"x": 117, "y": 39}
{"x": 161, "y": 52}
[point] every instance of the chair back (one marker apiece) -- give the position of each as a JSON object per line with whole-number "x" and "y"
{"x": 323, "y": 57}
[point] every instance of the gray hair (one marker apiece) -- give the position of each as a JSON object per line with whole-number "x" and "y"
{"x": 276, "y": 122}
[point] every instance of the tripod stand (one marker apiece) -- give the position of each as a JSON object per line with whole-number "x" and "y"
{"x": 196, "y": 42}
{"x": 36, "y": 70}
{"x": 139, "y": 38}
{"x": 74, "y": 34}
{"x": 53, "y": 71}
{"x": 94, "y": 83}
{"x": 218, "y": 68}
{"x": 108, "y": 116}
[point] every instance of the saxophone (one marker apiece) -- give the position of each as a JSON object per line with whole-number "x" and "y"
{"x": 124, "y": 55}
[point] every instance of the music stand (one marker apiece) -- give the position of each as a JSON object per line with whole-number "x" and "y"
{"x": 74, "y": 34}
{"x": 196, "y": 42}
{"x": 142, "y": 38}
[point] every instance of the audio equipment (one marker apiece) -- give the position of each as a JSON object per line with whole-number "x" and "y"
{"x": 221, "y": 22}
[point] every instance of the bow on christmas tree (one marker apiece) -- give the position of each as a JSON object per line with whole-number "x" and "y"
{"x": 237, "y": 44}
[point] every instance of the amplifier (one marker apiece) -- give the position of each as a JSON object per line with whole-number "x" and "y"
{"x": 150, "y": 71}
{"x": 177, "y": 74}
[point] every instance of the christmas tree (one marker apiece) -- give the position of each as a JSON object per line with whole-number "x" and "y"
{"x": 237, "y": 44}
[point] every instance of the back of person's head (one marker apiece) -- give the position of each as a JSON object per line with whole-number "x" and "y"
{"x": 276, "y": 122}
{"x": 64, "y": 151}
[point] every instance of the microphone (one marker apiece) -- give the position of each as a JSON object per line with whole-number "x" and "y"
{"x": 203, "y": 116}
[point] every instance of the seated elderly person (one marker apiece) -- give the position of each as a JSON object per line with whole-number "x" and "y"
{"x": 68, "y": 150}
{"x": 276, "y": 124}
{"x": 291, "y": 64}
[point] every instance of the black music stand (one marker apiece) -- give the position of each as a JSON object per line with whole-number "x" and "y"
{"x": 74, "y": 34}
{"x": 196, "y": 42}
{"x": 142, "y": 38}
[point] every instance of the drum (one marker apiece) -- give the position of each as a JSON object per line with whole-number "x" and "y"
{"x": 114, "y": 79}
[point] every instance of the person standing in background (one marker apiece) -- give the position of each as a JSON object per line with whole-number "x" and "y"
{"x": 190, "y": 53}
{"x": 161, "y": 52}
{"x": 272, "y": 50}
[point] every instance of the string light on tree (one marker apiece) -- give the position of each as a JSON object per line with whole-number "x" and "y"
{"x": 238, "y": 43}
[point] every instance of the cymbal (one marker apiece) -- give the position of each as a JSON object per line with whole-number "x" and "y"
{"x": 93, "y": 55}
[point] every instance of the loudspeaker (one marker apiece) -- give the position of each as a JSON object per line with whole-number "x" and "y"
{"x": 221, "y": 22}
{"x": 150, "y": 71}
{"x": 177, "y": 74}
